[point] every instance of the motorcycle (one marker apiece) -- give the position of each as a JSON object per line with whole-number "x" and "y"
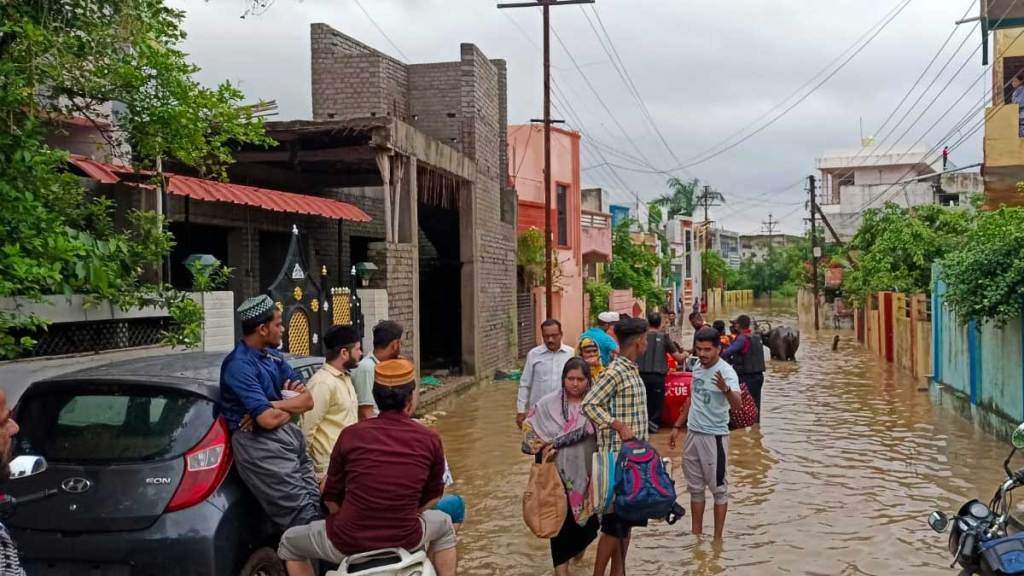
{"x": 386, "y": 562}
{"x": 979, "y": 539}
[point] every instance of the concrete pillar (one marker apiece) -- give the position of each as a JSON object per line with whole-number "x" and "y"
{"x": 468, "y": 246}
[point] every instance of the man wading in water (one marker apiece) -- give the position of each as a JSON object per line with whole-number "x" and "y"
{"x": 716, "y": 389}
{"x": 617, "y": 405}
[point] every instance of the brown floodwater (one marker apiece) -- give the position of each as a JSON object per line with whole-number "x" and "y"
{"x": 849, "y": 459}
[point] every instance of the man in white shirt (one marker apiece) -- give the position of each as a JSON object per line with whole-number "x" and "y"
{"x": 542, "y": 374}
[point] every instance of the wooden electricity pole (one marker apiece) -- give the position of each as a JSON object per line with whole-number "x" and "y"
{"x": 815, "y": 250}
{"x": 548, "y": 248}
{"x": 768, "y": 227}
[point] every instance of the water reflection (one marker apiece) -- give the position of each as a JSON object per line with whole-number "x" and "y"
{"x": 850, "y": 458}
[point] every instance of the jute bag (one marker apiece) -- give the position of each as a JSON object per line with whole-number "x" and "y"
{"x": 544, "y": 503}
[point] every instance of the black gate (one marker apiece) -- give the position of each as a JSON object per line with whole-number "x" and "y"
{"x": 524, "y": 315}
{"x": 307, "y": 313}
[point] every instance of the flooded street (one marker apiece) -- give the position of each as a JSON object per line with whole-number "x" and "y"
{"x": 838, "y": 479}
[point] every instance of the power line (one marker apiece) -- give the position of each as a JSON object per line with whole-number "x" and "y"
{"x": 597, "y": 95}
{"x": 623, "y": 71}
{"x": 802, "y": 98}
{"x": 382, "y": 32}
{"x": 925, "y": 71}
{"x": 957, "y": 126}
{"x": 567, "y": 109}
{"x": 917, "y": 82}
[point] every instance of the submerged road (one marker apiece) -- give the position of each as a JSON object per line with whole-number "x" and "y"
{"x": 850, "y": 458}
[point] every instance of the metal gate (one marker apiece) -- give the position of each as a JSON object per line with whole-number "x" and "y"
{"x": 305, "y": 309}
{"x": 524, "y": 317}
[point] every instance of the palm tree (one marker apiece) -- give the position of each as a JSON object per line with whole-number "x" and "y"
{"x": 680, "y": 201}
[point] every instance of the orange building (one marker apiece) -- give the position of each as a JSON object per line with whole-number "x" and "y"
{"x": 526, "y": 174}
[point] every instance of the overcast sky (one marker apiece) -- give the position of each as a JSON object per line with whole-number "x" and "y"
{"x": 704, "y": 69}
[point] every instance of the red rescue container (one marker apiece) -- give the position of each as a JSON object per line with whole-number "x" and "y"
{"x": 677, "y": 390}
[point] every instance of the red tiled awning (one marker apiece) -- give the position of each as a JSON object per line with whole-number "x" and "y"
{"x": 213, "y": 191}
{"x": 275, "y": 200}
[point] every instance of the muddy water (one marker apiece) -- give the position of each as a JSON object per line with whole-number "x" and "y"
{"x": 849, "y": 459}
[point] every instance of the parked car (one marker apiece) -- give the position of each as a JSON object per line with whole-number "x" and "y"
{"x": 142, "y": 463}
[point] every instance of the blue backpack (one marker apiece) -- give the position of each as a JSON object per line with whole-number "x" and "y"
{"x": 644, "y": 489}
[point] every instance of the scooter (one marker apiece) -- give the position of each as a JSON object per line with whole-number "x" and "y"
{"x": 979, "y": 539}
{"x": 386, "y": 562}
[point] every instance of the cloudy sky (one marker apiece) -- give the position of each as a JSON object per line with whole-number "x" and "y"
{"x": 708, "y": 73}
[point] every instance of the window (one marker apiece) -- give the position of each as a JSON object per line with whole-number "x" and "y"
{"x": 112, "y": 425}
{"x": 563, "y": 222}
{"x": 689, "y": 242}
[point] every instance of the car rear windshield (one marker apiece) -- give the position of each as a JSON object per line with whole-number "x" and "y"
{"x": 112, "y": 424}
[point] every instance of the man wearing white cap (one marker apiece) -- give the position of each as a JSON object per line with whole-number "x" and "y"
{"x": 269, "y": 450}
{"x": 605, "y": 343}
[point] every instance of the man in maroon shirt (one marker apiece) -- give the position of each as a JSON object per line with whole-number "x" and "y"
{"x": 385, "y": 476}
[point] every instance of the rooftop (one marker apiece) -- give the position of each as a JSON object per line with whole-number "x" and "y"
{"x": 876, "y": 156}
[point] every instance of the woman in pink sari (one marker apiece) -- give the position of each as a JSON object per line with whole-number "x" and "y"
{"x": 555, "y": 423}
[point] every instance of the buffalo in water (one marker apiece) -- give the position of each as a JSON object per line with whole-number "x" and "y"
{"x": 782, "y": 341}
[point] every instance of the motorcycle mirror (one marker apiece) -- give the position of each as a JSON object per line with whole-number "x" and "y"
{"x": 938, "y": 521}
{"x": 24, "y": 466}
{"x": 1018, "y": 438}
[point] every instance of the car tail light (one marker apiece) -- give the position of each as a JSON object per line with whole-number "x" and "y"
{"x": 206, "y": 465}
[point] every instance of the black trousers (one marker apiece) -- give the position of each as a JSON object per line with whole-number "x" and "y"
{"x": 573, "y": 539}
{"x": 754, "y": 383}
{"x": 654, "y": 384}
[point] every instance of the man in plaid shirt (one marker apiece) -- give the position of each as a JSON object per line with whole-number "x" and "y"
{"x": 617, "y": 405}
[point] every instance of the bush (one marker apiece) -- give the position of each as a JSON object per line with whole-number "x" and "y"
{"x": 599, "y": 293}
{"x": 895, "y": 248}
{"x": 985, "y": 275}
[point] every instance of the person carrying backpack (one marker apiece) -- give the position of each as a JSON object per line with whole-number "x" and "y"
{"x": 617, "y": 405}
{"x": 715, "y": 390}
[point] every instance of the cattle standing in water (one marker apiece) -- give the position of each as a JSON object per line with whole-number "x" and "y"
{"x": 783, "y": 342}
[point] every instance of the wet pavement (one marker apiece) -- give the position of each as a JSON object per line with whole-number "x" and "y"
{"x": 850, "y": 458}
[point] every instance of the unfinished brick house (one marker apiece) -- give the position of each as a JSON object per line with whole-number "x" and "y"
{"x": 421, "y": 148}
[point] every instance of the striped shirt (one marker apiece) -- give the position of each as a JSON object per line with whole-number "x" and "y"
{"x": 9, "y": 563}
{"x": 617, "y": 395}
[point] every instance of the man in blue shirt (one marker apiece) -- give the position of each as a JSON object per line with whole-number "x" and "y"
{"x": 260, "y": 393}
{"x": 605, "y": 343}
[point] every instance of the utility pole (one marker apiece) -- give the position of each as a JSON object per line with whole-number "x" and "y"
{"x": 708, "y": 198}
{"x": 768, "y": 227}
{"x": 545, "y": 6}
{"x": 815, "y": 250}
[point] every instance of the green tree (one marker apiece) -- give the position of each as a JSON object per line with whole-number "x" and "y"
{"x": 68, "y": 58}
{"x": 984, "y": 275}
{"x": 714, "y": 268}
{"x": 680, "y": 200}
{"x": 634, "y": 266}
{"x": 895, "y": 247}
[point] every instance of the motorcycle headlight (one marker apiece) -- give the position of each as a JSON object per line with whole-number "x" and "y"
{"x": 979, "y": 511}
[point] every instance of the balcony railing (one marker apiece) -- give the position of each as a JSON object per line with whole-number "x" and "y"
{"x": 590, "y": 219}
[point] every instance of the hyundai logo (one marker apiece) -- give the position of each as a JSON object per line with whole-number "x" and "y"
{"x": 75, "y": 485}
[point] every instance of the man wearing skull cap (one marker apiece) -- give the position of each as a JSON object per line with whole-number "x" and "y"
{"x": 260, "y": 393}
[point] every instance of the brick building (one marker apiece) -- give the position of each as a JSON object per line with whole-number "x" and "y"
{"x": 403, "y": 166}
{"x": 421, "y": 148}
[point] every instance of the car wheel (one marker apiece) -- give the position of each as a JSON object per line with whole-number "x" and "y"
{"x": 263, "y": 562}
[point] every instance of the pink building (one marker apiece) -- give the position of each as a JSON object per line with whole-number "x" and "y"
{"x": 526, "y": 174}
